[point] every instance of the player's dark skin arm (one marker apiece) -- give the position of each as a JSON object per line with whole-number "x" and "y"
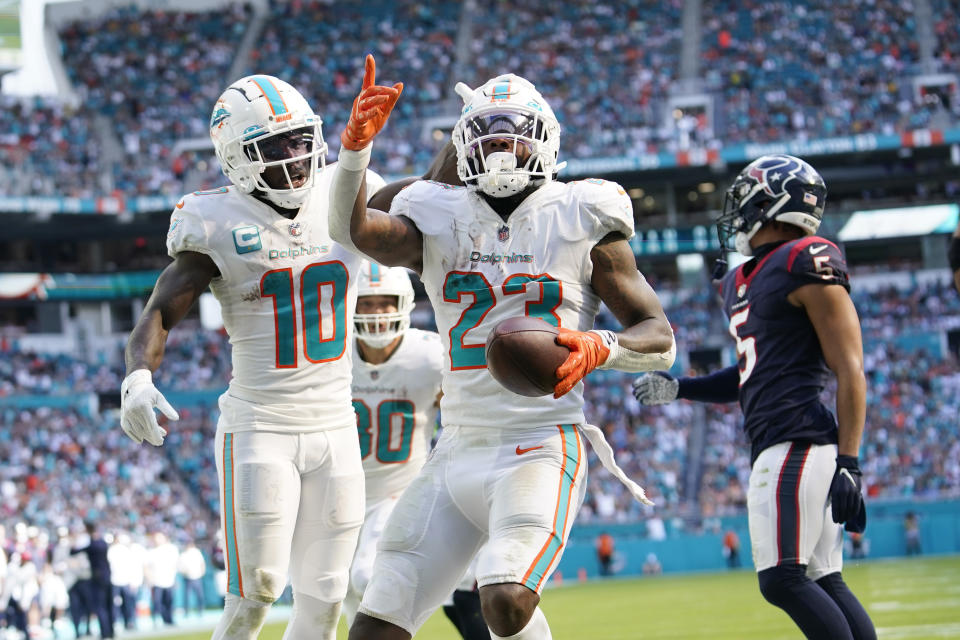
{"x": 177, "y": 289}
{"x": 835, "y": 320}
{"x": 395, "y": 240}
{"x": 630, "y": 298}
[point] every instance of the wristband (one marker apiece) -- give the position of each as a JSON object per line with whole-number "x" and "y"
{"x": 351, "y": 160}
{"x": 136, "y": 377}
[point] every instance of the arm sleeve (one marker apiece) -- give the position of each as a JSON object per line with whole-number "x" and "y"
{"x": 720, "y": 386}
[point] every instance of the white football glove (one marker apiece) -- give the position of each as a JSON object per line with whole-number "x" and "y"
{"x": 138, "y": 399}
{"x": 655, "y": 388}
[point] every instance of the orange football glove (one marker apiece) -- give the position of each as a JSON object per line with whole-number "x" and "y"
{"x": 370, "y": 109}
{"x": 587, "y": 352}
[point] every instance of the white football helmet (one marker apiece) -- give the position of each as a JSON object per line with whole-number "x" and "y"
{"x": 380, "y": 329}
{"x": 510, "y": 110}
{"x": 261, "y": 122}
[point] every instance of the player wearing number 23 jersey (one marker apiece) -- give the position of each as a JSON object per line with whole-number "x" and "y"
{"x": 508, "y": 474}
{"x": 286, "y": 445}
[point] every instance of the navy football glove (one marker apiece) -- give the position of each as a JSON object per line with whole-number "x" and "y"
{"x": 846, "y": 501}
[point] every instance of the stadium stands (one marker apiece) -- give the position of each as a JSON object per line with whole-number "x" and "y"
{"x": 777, "y": 70}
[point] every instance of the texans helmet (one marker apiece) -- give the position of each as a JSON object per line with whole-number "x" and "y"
{"x": 774, "y": 187}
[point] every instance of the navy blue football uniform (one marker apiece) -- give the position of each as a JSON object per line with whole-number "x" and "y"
{"x": 782, "y": 369}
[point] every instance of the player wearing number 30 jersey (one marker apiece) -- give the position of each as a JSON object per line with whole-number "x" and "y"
{"x": 505, "y": 480}
{"x": 396, "y": 391}
{"x": 286, "y": 445}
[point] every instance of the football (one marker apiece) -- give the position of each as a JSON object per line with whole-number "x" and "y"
{"x": 523, "y": 356}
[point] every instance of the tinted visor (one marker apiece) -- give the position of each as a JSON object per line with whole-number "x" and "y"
{"x": 295, "y": 143}
{"x": 507, "y": 124}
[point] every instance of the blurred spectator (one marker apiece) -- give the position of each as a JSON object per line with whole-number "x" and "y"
{"x": 731, "y": 548}
{"x": 656, "y": 530}
{"x": 219, "y": 563}
{"x": 124, "y": 571}
{"x": 192, "y": 566}
{"x": 605, "y": 553}
{"x": 75, "y": 569}
{"x": 911, "y": 531}
{"x": 858, "y": 547}
{"x": 160, "y": 574}
{"x": 651, "y": 565}
{"x": 101, "y": 586}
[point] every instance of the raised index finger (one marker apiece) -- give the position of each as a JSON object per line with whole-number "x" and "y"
{"x": 369, "y": 72}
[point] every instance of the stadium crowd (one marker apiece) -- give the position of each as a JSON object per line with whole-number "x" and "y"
{"x": 145, "y": 81}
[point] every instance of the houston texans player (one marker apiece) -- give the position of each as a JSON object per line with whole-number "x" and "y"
{"x": 507, "y": 476}
{"x": 792, "y": 318}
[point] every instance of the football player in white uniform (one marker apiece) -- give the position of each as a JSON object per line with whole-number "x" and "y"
{"x": 396, "y": 394}
{"x": 286, "y": 445}
{"x": 508, "y": 474}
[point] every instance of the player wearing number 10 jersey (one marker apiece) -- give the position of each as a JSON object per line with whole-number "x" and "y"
{"x": 505, "y": 480}
{"x": 286, "y": 443}
{"x": 793, "y": 321}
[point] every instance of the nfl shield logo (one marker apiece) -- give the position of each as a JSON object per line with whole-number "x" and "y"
{"x": 741, "y": 290}
{"x": 374, "y": 375}
{"x": 503, "y": 234}
{"x": 295, "y": 229}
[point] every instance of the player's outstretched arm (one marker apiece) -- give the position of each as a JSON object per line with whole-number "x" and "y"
{"x": 659, "y": 387}
{"x": 645, "y": 344}
{"x": 390, "y": 240}
{"x": 835, "y": 320}
{"x": 177, "y": 288}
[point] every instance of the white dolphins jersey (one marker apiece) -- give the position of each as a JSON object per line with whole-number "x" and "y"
{"x": 396, "y": 410}
{"x": 287, "y": 294}
{"x": 479, "y": 269}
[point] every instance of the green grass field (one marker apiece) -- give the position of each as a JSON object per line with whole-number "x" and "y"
{"x": 915, "y": 599}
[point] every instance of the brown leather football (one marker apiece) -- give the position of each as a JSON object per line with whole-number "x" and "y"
{"x": 523, "y": 356}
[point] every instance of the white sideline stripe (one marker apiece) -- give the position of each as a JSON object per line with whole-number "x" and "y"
{"x": 947, "y": 630}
